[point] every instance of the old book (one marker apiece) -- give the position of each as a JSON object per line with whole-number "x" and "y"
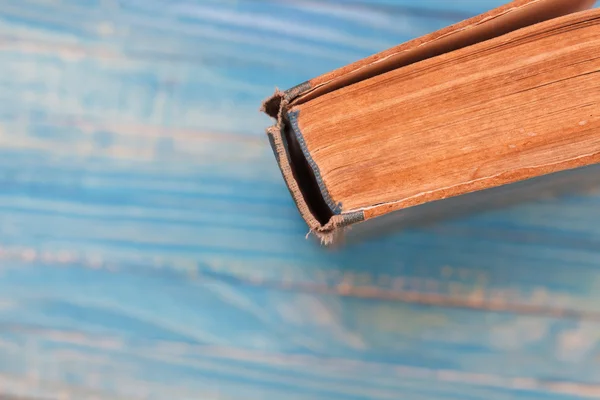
{"x": 507, "y": 96}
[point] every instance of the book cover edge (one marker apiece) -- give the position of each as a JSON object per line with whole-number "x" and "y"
{"x": 276, "y": 107}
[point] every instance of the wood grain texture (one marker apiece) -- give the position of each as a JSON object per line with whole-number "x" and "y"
{"x": 149, "y": 248}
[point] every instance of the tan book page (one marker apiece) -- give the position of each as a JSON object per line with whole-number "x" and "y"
{"x": 504, "y": 110}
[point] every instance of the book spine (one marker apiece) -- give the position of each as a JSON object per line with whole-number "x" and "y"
{"x": 276, "y": 106}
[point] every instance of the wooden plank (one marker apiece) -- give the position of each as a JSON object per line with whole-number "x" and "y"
{"x": 149, "y": 248}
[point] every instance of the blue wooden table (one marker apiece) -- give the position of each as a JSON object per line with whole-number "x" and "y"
{"x": 149, "y": 248}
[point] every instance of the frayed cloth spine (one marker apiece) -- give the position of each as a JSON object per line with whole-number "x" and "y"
{"x": 336, "y": 209}
{"x": 276, "y": 107}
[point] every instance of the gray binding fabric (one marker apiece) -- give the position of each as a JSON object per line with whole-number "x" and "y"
{"x": 276, "y": 139}
{"x": 297, "y": 90}
{"x": 276, "y": 106}
{"x": 336, "y": 209}
{"x": 352, "y": 217}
